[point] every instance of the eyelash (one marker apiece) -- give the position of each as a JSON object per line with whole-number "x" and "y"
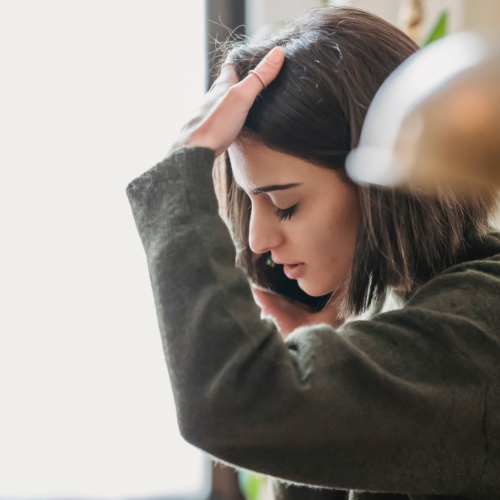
{"x": 285, "y": 213}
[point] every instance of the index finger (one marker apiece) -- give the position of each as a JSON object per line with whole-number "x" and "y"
{"x": 227, "y": 73}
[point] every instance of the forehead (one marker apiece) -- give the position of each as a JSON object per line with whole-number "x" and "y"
{"x": 255, "y": 165}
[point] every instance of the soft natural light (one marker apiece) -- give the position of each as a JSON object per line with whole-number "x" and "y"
{"x": 92, "y": 94}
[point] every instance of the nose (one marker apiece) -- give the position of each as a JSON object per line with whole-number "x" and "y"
{"x": 264, "y": 232}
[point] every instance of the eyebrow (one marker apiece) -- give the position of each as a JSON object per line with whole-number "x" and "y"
{"x": 275, "y": 187}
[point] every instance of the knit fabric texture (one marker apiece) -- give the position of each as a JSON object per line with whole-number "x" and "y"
{"x": 403, "y": 405}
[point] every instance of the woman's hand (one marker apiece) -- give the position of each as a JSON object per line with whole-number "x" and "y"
{"x": 224, "y": 109}
{"x": 290, "y": 314}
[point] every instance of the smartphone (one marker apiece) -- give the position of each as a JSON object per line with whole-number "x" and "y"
{"x": 280, "y": 283}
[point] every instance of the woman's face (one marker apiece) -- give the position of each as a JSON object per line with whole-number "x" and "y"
{"x": 306, "y": 216}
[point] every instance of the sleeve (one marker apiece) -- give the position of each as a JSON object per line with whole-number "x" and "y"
{"x": 392, "y": 404}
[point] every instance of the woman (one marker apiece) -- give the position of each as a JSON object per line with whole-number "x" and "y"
{"x": 403, "y": 405}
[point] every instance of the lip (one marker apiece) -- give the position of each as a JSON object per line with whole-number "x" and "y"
{"x": 293, "y": 271}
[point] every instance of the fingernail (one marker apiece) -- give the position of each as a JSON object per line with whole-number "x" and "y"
{"x": 275, "y": 55}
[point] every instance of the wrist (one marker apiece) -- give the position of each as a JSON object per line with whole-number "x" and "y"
{"x": 200, "y": 142}
{"x": 193, "y": 142}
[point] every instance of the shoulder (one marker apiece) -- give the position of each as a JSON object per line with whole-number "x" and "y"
{"x": 454, "y": 315}
{"x": 470, "y": 288}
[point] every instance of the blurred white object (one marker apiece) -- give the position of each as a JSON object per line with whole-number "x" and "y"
{"x": 436, "y": 117}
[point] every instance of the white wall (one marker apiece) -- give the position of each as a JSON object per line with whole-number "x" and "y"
{"x": 388, "y": 9}
{"x": 482, "y": 14}
{"x": 93, "y": 93}
{"x": 260, "y": 13}
{"x": 463, "y": 14}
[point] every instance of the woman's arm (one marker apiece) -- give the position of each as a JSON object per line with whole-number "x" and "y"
{"x": 393, "y": 404}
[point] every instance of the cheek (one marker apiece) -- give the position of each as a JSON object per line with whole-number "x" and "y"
{"x": 343, "y": 229}
{"x": 329, "y": 243}
{"x": 332, "y": 237}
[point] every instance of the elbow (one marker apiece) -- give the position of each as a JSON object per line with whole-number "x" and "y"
{"x": 194, "y": 430}
{"x": 208, "y": 431}
{"x": 197, "y": 427}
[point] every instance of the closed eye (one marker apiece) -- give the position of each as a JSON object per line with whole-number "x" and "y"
{"x": 286, "y": 213}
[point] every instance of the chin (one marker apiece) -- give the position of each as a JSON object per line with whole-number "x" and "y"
{"x": 313, "y": 289}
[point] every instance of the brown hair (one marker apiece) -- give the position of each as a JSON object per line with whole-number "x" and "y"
{"x": 336, "y": 59}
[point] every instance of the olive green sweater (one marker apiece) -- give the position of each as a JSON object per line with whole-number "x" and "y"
{"x": 407, "y": 403}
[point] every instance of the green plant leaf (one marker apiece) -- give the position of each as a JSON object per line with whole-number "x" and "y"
{"x": 253, "y": 487}
{"x": 250, "y": 484}
{"x": 439, "y": 30}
